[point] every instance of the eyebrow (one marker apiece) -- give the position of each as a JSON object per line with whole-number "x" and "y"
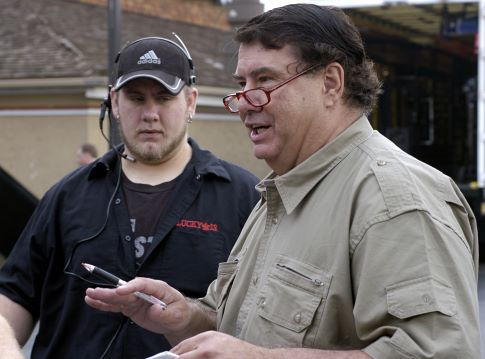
{"x": 256, "y": 72}
{"x": 136, "y": 91}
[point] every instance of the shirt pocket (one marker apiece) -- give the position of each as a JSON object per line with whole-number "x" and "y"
{"x": 289, "y": 300}
{"x": 420, "y": 296}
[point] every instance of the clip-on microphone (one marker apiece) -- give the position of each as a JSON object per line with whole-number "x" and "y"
{"x": 106, "y": 105}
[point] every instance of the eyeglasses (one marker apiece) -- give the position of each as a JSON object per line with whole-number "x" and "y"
{"x": 257, "y": 97}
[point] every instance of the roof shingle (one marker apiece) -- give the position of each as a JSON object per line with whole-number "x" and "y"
{"x": 58, "y": 38}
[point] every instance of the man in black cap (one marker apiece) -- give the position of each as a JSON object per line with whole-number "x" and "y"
{"x": 157, "y": 206}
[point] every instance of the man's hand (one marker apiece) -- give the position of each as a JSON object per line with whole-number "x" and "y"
{"x": 216, "y": 345}
{"x": 175, "y": 318}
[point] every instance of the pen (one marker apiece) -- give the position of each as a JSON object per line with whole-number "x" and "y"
{"x": 112, "y": 279}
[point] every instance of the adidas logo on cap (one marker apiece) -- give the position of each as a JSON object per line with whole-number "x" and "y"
{"x": 149, "y": 58}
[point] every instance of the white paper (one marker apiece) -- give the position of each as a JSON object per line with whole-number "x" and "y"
{"x": 163, "y": 355}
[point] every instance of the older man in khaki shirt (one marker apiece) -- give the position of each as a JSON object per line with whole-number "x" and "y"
{"x": 348, "y": 250}
{"x": 355, "y": 250}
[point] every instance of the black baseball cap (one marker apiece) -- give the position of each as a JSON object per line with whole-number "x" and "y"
{"x": 157, "y": 58}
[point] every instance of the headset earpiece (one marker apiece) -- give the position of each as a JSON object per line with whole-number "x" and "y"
{"x": 105, "y": 105}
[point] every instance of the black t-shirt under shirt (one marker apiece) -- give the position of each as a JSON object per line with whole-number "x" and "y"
{"x": 145, "y": 204}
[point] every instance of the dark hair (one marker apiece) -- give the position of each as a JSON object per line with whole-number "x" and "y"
{"x": 323, "y": 35}
{"x": 89, "y": 148}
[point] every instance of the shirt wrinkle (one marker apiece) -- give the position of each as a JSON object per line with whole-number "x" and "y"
{"x": 294, "y": 185}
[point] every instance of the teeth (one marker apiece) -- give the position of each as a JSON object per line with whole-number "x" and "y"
{"x": 258, "y": 130}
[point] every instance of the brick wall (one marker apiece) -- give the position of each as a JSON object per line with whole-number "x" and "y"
{"x": 200, "y": 12}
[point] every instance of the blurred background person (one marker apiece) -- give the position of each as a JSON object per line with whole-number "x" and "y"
{"x": 86, "y": 154}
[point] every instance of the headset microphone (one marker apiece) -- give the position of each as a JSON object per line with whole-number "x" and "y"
{"x": 106, "y": 105}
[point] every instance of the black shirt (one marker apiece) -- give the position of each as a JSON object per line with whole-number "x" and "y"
{"x": 146, "y": 204}
{"x": 83, "y": 218}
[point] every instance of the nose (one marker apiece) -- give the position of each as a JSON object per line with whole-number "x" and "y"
{"x": 150, "y": 112}
{"x": 245, "y": 107}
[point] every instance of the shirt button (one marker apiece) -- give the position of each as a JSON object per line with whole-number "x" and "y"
{"x": 275, "y": 220}
{"x": 117, "y": 201}
{"x": 255, "y": 280}
{"x": 317, "y": 282}
{"x": 131, "y": 322}
{"x": 297, "y": 318}
{"x": 197, "y": 177}
{"x": 262, "y": 302}
{"x": 426, "y": 298}
{"x": 381, "y": 163}
{"x": 127, "y": 238}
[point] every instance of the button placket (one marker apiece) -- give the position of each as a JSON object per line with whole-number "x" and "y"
{"x": 253, "y": 296}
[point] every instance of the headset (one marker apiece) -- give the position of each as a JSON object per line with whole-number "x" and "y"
{"x": 106, "y": 104}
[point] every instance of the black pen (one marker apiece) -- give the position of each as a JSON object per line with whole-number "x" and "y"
{"x": 114, "y": 280}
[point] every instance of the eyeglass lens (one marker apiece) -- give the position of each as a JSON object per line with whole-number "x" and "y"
{"x": 256, "y": 97}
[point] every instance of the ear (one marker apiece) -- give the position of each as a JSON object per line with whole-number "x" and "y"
{"x": 333, "y": 81}
{"x": 192, "y": 99}
{"x": 115, "y": 95}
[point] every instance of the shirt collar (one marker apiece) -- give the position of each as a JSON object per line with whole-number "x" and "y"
{"x": 104, "y": 164}
{"x": 204, "y": 162}
{"x": 294, "y": 185}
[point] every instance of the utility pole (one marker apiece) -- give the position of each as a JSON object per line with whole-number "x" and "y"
{"x": 481, "y": 96}
{"x": 114, "y": 45}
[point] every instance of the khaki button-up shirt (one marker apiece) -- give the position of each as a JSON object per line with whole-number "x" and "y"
{"x": 361, "y": 246}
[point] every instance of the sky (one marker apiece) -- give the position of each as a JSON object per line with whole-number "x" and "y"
{"x": 269, "y": 4}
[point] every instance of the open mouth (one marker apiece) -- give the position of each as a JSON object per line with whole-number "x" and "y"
{"x": 256, "y": 130}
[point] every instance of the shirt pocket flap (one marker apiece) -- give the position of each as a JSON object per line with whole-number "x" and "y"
{"x": 419, "y": 296}
{"x": 293, "y": 292}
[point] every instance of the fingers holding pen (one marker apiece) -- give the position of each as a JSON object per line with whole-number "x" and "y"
{"x": 156, "y": 288}
{"x": 176, "y": 314}
{"x": 124, "y": 297}
{"x": 108, "y": 300}
{"x": 154, "y": 317}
